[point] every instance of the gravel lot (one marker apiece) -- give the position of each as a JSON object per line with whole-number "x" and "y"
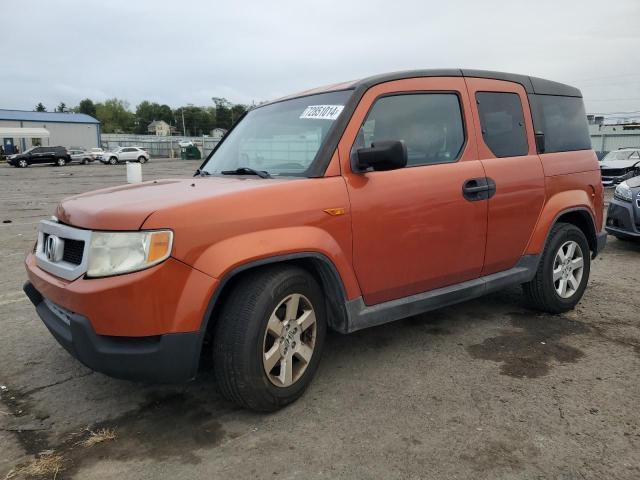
{"x": 484, "y": 390}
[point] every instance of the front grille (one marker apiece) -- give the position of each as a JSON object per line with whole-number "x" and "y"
{"x": 613, "y": 172}
{"x": 73, "y": 250}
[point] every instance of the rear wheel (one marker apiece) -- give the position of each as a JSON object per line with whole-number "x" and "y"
{"x": 563, "y": 271}
{"x": 142, "y": 159}
{"x": 85, "y": 161}
{"x": 61, "y": 162}
{"x": 268, "y": 340}
{"x": 113, "y": 161}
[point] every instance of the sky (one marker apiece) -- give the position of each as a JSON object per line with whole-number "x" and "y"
{"x": 188, "y": 51}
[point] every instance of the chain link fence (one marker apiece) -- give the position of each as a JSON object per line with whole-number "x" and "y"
{"x": 163, "y": 147}
{"x": 168, "y": 147}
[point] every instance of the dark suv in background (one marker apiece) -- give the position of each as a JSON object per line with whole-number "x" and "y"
{"x": 57, "y": 155}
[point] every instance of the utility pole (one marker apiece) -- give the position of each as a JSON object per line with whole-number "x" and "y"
{"x": 184, "y": 130}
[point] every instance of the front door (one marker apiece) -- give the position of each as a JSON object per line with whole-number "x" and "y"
{"x": 413, "y": 228}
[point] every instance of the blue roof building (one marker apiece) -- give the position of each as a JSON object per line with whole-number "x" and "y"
{"x": 76, "y": 130}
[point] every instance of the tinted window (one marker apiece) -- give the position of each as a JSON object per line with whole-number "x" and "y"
{"x": 430, "y": 124}
{"x": 502, "y": 123}
{"x": 563, "y": 122}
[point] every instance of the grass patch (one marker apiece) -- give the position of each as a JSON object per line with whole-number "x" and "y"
{"x": 43, "y": 466}
{"x": 99, "y": 436}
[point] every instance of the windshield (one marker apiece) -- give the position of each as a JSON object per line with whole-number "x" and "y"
{"x": 282, "y": 138}
{"x": 30, "y": 149}
{"x": 619, "y": 155}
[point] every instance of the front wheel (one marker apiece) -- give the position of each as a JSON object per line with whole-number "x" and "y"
{"x": 22, "y": 163}
{"x": 113, "y": 161}
{"x": 85, "y": 161}
{"x": 563, "y": 271}
{"x": 268, "y": 340}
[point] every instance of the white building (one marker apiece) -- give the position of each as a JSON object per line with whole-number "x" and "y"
{"x": 25, "y": 129}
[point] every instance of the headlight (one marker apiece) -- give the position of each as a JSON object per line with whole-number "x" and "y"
{"x": 623, "y": 192}
{"x": 112, "y": 253}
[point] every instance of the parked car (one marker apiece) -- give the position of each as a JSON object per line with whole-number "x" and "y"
{"x": 354, "y": 206}
{"x": 620, "y": 165}
{"x": 125, "y": 154}
{"x": 96, "y": 153}
{"x": 80, "y": 156}
{"x": 57, "y": 155}
{"x": 623, "y": 216}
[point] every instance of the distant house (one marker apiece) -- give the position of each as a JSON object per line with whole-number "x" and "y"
{"x": 218, "y": 133}
{"x": 160, "y": 128}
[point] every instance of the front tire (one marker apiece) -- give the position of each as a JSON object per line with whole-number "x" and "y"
{"x": 113, "y": 161}
{"x": 268, "y": 340}
{"x": 22, "y": 164}
{"x": 563, "y": 271}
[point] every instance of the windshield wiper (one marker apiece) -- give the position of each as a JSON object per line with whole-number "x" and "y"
{"x": 201, "y": 173}
{"x": 247, "y": 171}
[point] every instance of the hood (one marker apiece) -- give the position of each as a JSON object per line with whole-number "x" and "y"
{"x": 128, "y": 206}
{"x": 633, "y": 182}
{"x": 619, "y": 163}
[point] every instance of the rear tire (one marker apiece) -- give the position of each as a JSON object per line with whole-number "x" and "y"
{"x": 84, "y": 161}
{"x": 268, "y": 339}
{"x": 61, "y": 162}
{"x": 142, "y": 159}
{"x": 563, "y": 271}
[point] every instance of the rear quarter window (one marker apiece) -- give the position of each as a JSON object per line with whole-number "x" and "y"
{"x": 563, "y": 122}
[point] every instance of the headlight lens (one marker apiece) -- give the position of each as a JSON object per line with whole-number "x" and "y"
{"x": 112, "y": 253}
{"x": 623, "y": 192}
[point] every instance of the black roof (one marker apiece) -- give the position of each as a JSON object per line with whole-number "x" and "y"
{"x": 530, "y": 84}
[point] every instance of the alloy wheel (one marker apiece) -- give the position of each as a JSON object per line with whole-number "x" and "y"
{"x": 289, "y": 340}
{"x": 568, "y": 266}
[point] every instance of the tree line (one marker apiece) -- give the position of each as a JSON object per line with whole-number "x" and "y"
{"x": 116, "y": 116}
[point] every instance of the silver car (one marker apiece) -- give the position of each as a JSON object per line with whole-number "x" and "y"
{"x": 80, "y": 156}
{"x": 125, "y": 154}
{"x": 620, "y": 165}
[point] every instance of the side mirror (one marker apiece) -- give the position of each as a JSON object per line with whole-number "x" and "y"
{"x": 539, "y": 142}
{"x": 382, "y": 155}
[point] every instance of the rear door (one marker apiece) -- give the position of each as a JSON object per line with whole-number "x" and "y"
{"x": 506, "y": 148}
{"x": 413, "y": 229}
{"x": 128, "y": 154}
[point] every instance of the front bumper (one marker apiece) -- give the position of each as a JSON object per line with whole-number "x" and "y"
{"x": 170, "y": 358}
{"x": 613, "y": 180}
{"x": 622, "y": 221}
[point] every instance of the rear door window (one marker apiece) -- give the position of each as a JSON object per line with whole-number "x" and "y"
{"x": 502, "y": 123}
{"x": 430, "y": 124}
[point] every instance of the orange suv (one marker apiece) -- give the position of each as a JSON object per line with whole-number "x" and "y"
{"x": 343, "y": 207}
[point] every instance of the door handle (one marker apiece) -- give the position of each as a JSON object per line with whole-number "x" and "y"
{"x": 476, "y": 189}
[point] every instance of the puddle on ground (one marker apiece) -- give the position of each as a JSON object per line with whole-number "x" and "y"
{"x": 528, "y": 351}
